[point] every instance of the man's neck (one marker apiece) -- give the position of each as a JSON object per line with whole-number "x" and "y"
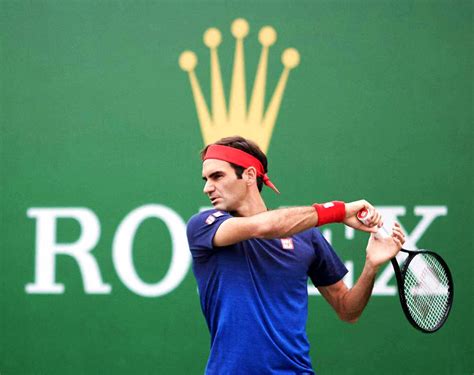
{"x": 251, "y": 206}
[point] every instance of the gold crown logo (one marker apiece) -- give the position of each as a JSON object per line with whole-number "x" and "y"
{"x": 255, "y": 124}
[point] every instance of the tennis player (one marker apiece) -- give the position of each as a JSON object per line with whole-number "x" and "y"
{"x": 252, "y": 265}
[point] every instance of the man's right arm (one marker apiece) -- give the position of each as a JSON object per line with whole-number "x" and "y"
{"x": 279, "y": 223}
{"x": 285, "y": 222}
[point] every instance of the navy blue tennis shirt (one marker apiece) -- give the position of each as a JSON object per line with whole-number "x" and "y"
{"x": 254, "y": 296}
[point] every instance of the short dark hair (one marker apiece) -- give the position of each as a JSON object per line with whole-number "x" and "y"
{"x": 245, "y": 145}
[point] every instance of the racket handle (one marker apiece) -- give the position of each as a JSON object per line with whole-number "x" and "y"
{"x": 364, "y": 217}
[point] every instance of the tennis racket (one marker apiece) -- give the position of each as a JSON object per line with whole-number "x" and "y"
{"x": 425, "y": 285}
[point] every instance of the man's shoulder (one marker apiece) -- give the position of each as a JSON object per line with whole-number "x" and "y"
{"x": 202, "y": 227}
{"x": 206, "y": 217}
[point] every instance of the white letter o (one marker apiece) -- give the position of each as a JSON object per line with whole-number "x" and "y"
{"x": 123, "y": 249}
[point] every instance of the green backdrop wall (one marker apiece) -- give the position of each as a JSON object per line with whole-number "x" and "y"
{"x": 99, "y": 152}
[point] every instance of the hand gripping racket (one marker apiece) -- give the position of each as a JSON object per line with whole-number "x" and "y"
{"x": 425, "y": 285}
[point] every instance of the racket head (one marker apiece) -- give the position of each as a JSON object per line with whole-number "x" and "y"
{"x": 426, "y": 290}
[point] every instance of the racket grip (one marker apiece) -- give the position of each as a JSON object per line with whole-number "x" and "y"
{"x": 364, "y": 217}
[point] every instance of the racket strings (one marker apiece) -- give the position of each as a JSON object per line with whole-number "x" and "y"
{"x": 427, "y": 291}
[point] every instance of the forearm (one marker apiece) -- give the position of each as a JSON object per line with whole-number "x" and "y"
{"x": 379, "y": 251}
{"x": 355, "y": 299}
{"x": 285, "y": 222}
{"x": 280, "y": 223}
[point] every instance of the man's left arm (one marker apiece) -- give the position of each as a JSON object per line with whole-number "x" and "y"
{"x": 350, "y": 303}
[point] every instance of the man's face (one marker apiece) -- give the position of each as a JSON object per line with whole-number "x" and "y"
{"x": 225, "y": 191}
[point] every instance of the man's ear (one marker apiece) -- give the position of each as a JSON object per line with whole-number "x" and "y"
{"x": 250, "y": 175}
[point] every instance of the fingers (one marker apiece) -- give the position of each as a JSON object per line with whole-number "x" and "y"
{"x": 371, "y": 209}
{"x": 352, "y": 208}
{"x": 365, "y": 228}
{"x": 398, "y": 235}
{"x": 375, "y": 219}
{"x": 373, "y": 230}
{"x": 371, "y": 221}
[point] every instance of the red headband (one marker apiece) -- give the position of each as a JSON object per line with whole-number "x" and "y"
{"x": 240, "y": 158}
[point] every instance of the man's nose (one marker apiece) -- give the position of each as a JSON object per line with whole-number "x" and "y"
{"x": 208, "y": 187}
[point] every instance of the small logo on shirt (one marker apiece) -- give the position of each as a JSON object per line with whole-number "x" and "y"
{"x": 218, "y": 214}
{"x": 287, "y": 243}
{"x": 210, "y": 219}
